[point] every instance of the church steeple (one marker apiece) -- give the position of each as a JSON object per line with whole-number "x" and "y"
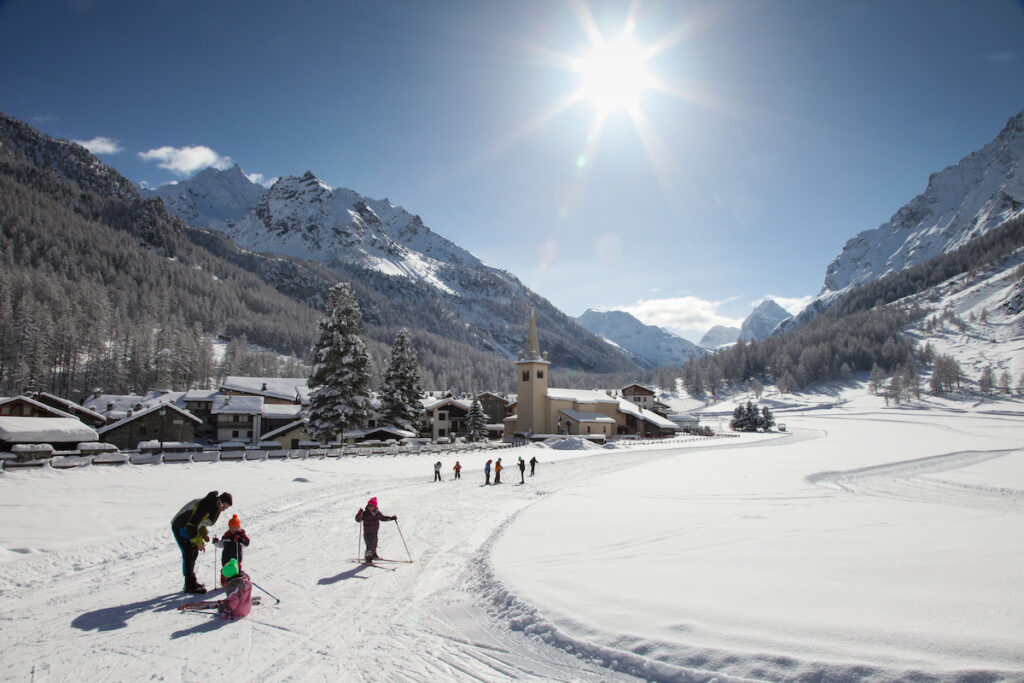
{"x": 532, "y": 344}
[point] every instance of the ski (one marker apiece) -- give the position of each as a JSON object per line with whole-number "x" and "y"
{"x": 373, "y": 564}
{"x": 383, "y": 559}
{"x": 204, "y": 605}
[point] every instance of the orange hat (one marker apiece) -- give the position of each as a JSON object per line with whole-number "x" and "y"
{"x": 235, "y": 523}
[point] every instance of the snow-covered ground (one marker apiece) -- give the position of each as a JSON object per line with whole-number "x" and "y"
{"x": 866, "y": 543}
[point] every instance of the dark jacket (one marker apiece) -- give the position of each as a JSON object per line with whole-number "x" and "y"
{"x": 196, "y": 513}
{"x": 371, "y": 520}
{"x": 232, "y": 542}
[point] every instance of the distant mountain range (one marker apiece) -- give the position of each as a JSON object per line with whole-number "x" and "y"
{"x": 651, "y": 346}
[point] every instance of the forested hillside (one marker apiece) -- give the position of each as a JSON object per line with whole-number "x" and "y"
{"x": 101, "y": 288}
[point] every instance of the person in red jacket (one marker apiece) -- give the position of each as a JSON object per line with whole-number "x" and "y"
{"x": 371, "y": 517}
{"x": 232, "y": 543}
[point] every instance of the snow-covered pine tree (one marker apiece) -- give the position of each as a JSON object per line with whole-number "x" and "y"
{"x": 400, "y": 392}
{"x": 340, "y": 382}
{"x": 476, "y": 421}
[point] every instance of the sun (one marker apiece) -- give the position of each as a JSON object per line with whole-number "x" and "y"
{"x": 614, "y": 74}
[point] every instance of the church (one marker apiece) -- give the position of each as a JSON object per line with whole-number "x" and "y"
{"x": 543, "y": 411}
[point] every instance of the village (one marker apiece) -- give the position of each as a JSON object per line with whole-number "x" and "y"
{"x": 255, "y": 418}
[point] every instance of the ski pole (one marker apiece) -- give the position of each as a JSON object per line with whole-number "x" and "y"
{"x": 266, "y": 591}
{"x": 402, "y": 536}
{"x": 359, "y": 541}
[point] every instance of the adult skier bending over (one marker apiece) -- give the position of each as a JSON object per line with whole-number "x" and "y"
{"x": 371, "y": 518}
{"x": 189, "y": 529}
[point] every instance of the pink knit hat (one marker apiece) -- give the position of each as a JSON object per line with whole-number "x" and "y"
{"x": 372, "y": 501}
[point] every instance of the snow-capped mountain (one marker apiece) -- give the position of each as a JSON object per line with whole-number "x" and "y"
{"x": 762, "y": 321}
{"x": 416, "y": 276}
{"x": 961, "y": 202}
{"x": 719, "y": 335}
{"x": 653, "y": 345}
{"x": 305, "y": 218}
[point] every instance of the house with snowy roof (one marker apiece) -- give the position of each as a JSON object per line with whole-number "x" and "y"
{"x": 25, "y": 406}
{"x": 57, "y": 433}
{"x": 238, "y": 417}
{"x": 87, "y": 416}
{"x": 158, "y": 422}
{"x": 443, "y": 417}
{"x": 542, "y": 411}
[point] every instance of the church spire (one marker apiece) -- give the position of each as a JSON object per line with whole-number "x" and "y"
{"x": 532, "y": 344}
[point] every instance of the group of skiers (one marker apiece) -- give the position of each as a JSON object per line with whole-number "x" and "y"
{"x": 191, "y": 531}
{"x": 498, "y": 467}
{"x": 191, "y": 525}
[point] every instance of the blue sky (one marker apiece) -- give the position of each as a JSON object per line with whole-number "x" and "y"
{"x": 769, "y": 133}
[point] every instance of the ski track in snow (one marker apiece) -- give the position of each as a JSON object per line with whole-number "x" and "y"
{"x": 443, "y": 617}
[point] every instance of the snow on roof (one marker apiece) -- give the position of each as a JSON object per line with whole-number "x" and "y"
{"x": 388, "y": 429}
{"x": 630, "y": 408}
{"x": 285, "y": 429}
{"x": 281, "y": 411}
{"x": 237, "y": 405}
{"x": 199, "y": 395}
{"x": 147, "y": 411}
{"x": 120, "y": 404}
{"x": 433, "y": 403}
{"x": 580, "y": 395}
{"x": 586, "y": 417}
{"x": 287, "y": 388}
{"x": 45, "y": 430}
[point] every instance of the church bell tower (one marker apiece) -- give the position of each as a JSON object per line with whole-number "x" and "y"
{"x": 532, "y": 384}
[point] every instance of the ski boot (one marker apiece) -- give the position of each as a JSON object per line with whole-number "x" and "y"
{"x": 193, "y": 586}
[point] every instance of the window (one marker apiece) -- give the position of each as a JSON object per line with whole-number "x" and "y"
{"x": 234, "y": 434}
{"x": 540, "y": 374}
{"x": 526, "y": 375}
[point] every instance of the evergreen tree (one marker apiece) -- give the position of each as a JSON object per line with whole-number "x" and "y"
{"x": 340, "y": 381}
{"x": 767, "y": 419}
{"x": 476, "y": 421}
{"x": 400, "y": 392}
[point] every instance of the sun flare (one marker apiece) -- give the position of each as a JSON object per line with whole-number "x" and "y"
{"x": 614, "y": 74}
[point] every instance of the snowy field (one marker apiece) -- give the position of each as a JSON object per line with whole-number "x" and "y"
{"x": 867, "y": 543}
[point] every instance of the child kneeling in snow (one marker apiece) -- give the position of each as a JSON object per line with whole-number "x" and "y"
{"x": 238, "y": 601}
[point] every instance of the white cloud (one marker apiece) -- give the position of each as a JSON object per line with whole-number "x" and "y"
{"x": 184, "y": 161}
{"x": 687, "y": 316}
{"x": 792, "y": 304}
{"x": 260, "y": 180}
{"x": 100, "y": 145}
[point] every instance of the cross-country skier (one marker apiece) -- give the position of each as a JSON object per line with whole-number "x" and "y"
{"x": 487, "y": 473}
{"x": 371, "y": 518}
{"x": 201, "y": 512}
{"x": 458, "y": 470}
{"x": 522, "y": 470}
{"x": 437, "y": 471}
{"x": 232, "y": 543}
{"x": 533, "y": 463}
{"x": 497, "y": 471}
